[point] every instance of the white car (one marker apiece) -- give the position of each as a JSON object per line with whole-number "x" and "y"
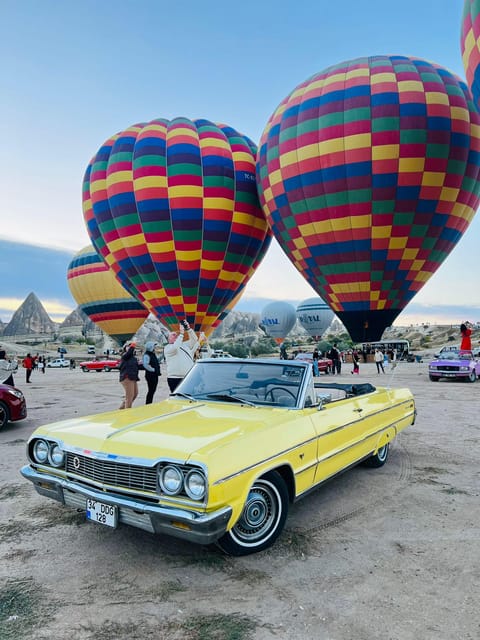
{"x": 59, "y": 362}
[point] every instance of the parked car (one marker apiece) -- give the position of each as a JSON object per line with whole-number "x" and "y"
{"x": 91, "y": 350}
{"x": 12, "y": 405}
{"x": 105, "y": 364}
{"x": 222, "y": 458}
{"x": 455, "y": 364}
{"x": 324, "y": 364}
{"x": 58, "y": 363}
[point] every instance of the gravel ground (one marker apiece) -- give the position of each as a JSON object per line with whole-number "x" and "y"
{"x": 389, "y": 553}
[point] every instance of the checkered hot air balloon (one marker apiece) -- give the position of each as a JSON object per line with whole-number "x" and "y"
{"x": 101, "y": 297}
{"x": 368, "y": 175}
{"x": 172, "y": 207}
{"x": 470, "y": 46}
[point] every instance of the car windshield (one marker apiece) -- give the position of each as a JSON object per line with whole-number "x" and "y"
{"x": 457, "y": 355}
{"x": 244, "y": 382}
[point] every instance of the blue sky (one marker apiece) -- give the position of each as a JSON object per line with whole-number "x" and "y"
{"x": 73, "y": 73}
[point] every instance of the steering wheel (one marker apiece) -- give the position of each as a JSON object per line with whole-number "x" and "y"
{"x": 281, "y": 391}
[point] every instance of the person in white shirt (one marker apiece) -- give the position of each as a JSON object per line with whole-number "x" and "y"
{"x": 180, "y": 354}
{"x": 379, "y": 360}
{"x": 7, "y": 369}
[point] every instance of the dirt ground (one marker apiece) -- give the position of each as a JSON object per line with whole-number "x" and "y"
{"x": 389, "y": 553}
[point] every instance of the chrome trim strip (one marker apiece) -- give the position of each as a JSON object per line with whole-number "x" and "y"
{"x": 260, "y": 462}
{"x": 285, "y": 451}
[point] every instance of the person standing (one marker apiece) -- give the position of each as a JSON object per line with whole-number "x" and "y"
{"x": 315, "y": 358}
{"x": 7, "y": 369}
{"x": 356, "y": 362}
{"x": 129, "y": 375}
{"x": 28, "y": 366}
{"x": 179, "y": 354}
{"x": 379, "y": 360}
{"x": 152, "y": 370}
{"x": 466, "y": 331}
{"x": 334, "y": 355}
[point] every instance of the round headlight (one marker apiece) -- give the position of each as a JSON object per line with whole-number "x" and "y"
{"x": 195, "y": 485}
{"x": 171, "y": 480}
{"x": 57, "y": 456}
{"x": 40, "y": 451}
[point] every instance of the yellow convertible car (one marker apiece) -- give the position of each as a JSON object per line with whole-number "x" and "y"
{"x": 223, "y": 457}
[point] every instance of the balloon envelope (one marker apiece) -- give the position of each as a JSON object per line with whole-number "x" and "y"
{"x": 470, "y": 46}
{"x": 278, "y": 319}
{"x": 172, "y": 208}
{"x": 368, "y": 175}
{"x": 315, "y": 316}
{"x": 99, "y": 295}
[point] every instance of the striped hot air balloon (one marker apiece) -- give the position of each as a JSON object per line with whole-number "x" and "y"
{"x": 102, "y": 298}
{"x": 172, "y": 207}
{"x": 368, "y": 175}
{"x": 470, "y": 46}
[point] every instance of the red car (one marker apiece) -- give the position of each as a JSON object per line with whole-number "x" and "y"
{"x": 12, "y": 405}
{"x": 324, "y": 364}
{"x": 100, "y": 365}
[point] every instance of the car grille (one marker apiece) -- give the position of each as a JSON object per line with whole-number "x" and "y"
{"x": 450, "y": 368}
{"x": 106, "y": 472}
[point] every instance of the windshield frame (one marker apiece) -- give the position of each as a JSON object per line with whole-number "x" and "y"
{"x": 253, "y": 376}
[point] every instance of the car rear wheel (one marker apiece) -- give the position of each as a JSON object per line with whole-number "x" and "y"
{"x": 378, "y": 459}
{"x": 262, "y": 519}
{"x": 4, "y": 414}
{"x": 106, "y": 368}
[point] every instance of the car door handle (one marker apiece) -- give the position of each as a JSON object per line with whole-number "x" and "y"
{"x": 358, "y": 410}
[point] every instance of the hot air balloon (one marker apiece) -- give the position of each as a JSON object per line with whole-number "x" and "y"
{"x": 470, "y": 46}
{"x": 368, "y": 175}
{"x": 100, "y": 296}
{"x": 172, "y": 208}
{"x": 278, "y": 319}
{"x": 315, "y": 316}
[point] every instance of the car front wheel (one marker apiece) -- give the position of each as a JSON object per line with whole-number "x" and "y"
{"x": 86, "y": 369}
{"x": 472, "y": 377}
{"x": 378, "y": 459}
{"x": 106, "y": 368}
{"x": 4, "y": 414}
{"x": 262, "y": 519}
{"x": 433, "y": 378}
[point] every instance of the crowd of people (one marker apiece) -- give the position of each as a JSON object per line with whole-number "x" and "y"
{"x": 180, "y": 353}
{"x": 183, "y": 348}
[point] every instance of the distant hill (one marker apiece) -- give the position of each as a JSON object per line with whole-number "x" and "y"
{"x": 30, "y": 318}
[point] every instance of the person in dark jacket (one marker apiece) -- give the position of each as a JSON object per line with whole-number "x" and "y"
{"x": 334, "y": 355}
{"x": 152, "y": 370}
{"x": 129, "y": 375}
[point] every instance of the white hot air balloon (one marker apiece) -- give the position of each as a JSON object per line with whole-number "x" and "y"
{"x": 315, "y": 316}
{"x": 278, "y": 319}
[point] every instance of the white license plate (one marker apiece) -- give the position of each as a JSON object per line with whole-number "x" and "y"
{"x": 100, "y": 512}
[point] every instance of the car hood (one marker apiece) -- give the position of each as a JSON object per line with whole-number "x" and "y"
{"x": 176, "y": 429}
{"x": 455, "y": 362}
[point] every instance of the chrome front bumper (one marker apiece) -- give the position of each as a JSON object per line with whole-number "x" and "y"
{"x": 202, "y": 528}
